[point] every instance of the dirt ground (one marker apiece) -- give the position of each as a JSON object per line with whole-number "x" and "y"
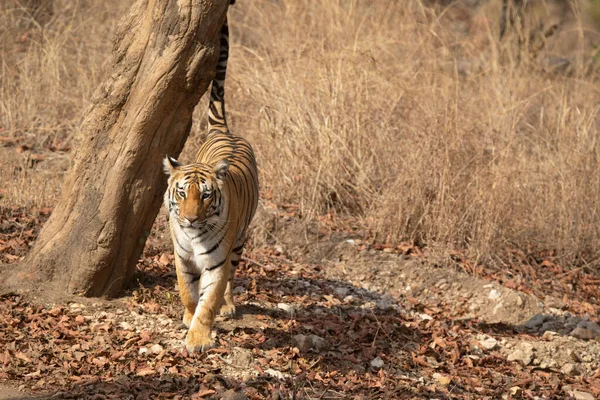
{"x": 321, "y": 315}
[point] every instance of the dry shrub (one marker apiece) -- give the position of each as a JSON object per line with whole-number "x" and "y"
{"x": 397, "y": 118}
{"x": 406, "y": 121}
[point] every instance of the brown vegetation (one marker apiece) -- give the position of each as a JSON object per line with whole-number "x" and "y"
{"x": 407, "y": 121}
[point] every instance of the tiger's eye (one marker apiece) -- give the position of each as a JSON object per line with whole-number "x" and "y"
{"x": 205, "y": 195}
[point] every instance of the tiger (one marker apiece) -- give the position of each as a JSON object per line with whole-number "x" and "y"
{"x": 211, "y": 203}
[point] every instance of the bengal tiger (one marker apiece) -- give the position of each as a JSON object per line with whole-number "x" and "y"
{"x": 211, "y": 203}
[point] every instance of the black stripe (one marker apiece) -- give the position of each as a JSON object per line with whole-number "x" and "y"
{"x": 182, "y": 248}
{"x": 239, "y": 248}
{"x": 217, "y": 265}
{"x": 235, "y": 263}
{"x": 214, "y": 247}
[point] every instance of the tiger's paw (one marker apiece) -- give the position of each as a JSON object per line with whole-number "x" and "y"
{"x": 198, "y": 343}
{"x": 227, "y": 310}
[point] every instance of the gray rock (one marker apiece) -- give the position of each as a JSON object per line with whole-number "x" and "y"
{"x": 586, "y": 330}
{"x": 377, "y": 363}
{"x": 303, "y": 343}
{"x": 535, "y": 322}
{"x": 317, "y": 342}
{"x": 341, "y": 291}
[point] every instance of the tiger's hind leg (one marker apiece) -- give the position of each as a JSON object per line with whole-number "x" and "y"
{"x": 211, "y": 289}
{"x": 228, "y": 309}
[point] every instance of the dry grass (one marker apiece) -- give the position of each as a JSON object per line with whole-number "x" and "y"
{"x": 400, "y": 119}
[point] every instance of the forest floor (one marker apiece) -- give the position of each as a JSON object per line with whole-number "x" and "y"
{"x": 322, "y": 314}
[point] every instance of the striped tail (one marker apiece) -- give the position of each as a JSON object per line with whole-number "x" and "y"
{"x": 216, "y": 109}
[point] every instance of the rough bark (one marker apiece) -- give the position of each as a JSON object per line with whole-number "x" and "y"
{"x": 165, "y": 55}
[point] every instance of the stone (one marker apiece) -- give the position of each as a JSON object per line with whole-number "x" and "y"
{"x": 156, "y": 349}
{"x": 494, "y": 294}
{"x": 535, "y": 322}
{"x": 126, "y": 326}
{"x": 233, "y": 395}
{"x": 519, "y": 355}
{"x": 385, "y": 303}
{"x": 569, "y": 369}
{"x": 586, "y": 330}
{"x": 317, "y": 342}
{"x": 288, "y": 308}
{"x": 377, "y": 363}
{"x": 519, "y": 302}
{"x": 303, "y": 343}
{"x": 488, "y": 343}
{"x": 523, "y": 354}
{"x": 276, "y": 374}
{"x": 341, "y": 291}
{"x": 581, "y": 395}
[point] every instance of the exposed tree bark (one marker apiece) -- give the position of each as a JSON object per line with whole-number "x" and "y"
{"x": 165, "y": 55}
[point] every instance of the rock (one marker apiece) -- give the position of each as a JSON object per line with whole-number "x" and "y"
{"x": 494, "y": 294}
{"x": 276, "y": 374}
{"x": 377, "y": 363}
{"x": 341, "y": 291}
{"x": 385, "y": 303}
{"x": 488, "y": 343}
{"x": 425, "y": 317}
{"x": 523, "y": 354}
{"x": 581, "y": 395}
{"x": 519, "y": 355}
{"x": 349, "y": 299}
{"x": 441, "y": 282}
{"x": 142, "y": 350}
{"x": 233, "y": 395}
{"x": 317, "y": 342}
{"x": 443, "y": 380}
{"x": 515, "y": 391}
{"x": 156, "y": 349}
{"x": 126, "y": 326}
{"x": 569, "y": 369}
{"x": 303, "y": 343}
{"x": 288, "y": 308}
{"x": 239, "y": 290}
{"x": 586, "y": 330}
{"x": 549, "y": 335}
{"x": 519, "y": 302}
{"x": 535, "y": 322}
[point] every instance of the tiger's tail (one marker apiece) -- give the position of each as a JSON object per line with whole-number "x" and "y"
{"x": 216, "y": 109}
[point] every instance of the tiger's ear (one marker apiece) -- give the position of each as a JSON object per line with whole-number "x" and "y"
{"x": 170, "y": 164}
{"x": 221, "y": 169}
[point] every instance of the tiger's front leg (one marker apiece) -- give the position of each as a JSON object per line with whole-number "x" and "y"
{"x": 188, "y": 288}
{"x": 211, "y": 290}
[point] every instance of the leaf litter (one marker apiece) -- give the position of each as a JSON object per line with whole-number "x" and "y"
{"x": 340, "y": 341}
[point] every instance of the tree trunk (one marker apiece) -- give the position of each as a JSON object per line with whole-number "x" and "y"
{"x": 165, "y": 56}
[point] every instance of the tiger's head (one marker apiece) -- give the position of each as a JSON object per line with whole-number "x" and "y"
{"x": 194, "y": 195}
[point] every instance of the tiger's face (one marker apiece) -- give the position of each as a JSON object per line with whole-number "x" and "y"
{"x": 194, "y": 195}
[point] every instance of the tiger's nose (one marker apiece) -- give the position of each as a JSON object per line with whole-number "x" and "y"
{"x": 191, "y": 218}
